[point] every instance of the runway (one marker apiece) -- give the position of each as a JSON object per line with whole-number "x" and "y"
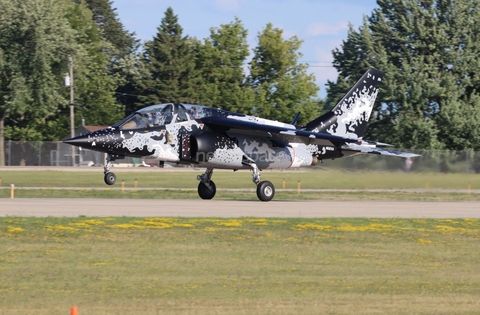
{"x": 43, "y": 207}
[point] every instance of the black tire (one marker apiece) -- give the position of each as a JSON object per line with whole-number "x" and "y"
{"x": 265, "y": 191}
{"x": 207, "y": 193}
{"x": 110, "y": 178}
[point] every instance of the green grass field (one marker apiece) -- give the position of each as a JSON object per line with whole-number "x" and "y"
{"x": 309, "y": 178}
{"x": 94, "y": 187}
{"x": 239, "y": 266}
{"x": 242, "y": 195}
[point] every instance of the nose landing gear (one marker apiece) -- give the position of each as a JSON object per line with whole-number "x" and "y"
{"x": 110, "y": 178}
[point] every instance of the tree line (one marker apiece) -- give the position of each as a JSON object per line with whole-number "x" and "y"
{"x": 428, "y": 50}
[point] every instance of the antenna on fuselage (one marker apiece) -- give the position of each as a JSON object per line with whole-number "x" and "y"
{"x": 294, "y": 120}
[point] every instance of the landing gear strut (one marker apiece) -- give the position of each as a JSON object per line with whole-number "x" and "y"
{"x": 265, "y": 189}
{"x": 109, "y": 177}
{"x": 206, "y": 187}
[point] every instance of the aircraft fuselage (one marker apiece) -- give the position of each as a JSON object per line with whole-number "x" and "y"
{"x": 190, "y": 143}
{"x": 214, "y": 138}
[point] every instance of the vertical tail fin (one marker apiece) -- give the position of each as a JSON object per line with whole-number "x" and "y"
{"x": 350, "y": 116}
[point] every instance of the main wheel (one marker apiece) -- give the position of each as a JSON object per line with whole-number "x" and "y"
{"x": 265, "y": 191}
{"x": 110, "y": 178}
{"x": 206, "y": 192}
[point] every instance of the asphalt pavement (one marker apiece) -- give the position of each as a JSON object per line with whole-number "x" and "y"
{"x": 44, "y": 207}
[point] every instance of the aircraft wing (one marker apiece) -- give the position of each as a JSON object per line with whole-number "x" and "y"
{"x": 280, "y": 131}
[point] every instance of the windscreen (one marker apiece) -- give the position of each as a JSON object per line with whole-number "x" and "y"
{"x": 151, "y": 116}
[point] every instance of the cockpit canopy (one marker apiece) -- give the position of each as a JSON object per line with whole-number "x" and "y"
{"x": 164, "y": 114}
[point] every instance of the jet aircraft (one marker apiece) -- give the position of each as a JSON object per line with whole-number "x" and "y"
{"x": 214, "y": 138}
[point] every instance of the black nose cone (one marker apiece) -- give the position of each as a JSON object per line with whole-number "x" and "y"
{"x": 84, "y": 141}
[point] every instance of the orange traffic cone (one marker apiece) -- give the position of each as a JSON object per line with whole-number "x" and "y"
{"x": 74, "y": 310}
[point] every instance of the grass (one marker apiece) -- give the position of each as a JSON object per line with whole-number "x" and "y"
{"x": 239, "y": 266}
{"x": 241, "y": 195}
{"x": 309, "y": 179}
{"x": 89, "y": 183}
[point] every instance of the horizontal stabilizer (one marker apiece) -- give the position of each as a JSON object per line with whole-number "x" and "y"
{"x": 373, "y": 143}
{"x": 373, "y": 150}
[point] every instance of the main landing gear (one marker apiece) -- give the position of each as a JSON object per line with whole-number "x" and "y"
{"x": 109, "y": 177}
{"x": 265, "y": 189}
{"x": 207, "y": 188}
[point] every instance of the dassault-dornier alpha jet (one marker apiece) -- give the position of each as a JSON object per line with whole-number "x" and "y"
{"x": 215, "y": 138}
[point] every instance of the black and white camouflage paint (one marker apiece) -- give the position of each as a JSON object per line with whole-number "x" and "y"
{"x": 350, "y": 116}
{"x": 214, "y": 138}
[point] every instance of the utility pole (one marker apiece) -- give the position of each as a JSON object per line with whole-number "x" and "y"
{"x": 72, "y": 113}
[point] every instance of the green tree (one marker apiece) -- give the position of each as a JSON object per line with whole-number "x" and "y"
{"x": 170, "y": 61}
{"x": 124, "y": 63}
{"x": 428, "y": 50}
{"x": 220, "y": 61}
{"x": 36, "y": 38}
{"x": 94, "y": 83}
{"x": 282, "y": 85}
{"x": 106, "y": 18}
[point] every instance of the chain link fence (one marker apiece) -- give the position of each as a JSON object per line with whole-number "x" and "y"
{"x": 433, "y": 161}
{"x": 51, "y": 153}
{"x": 56, "y": 153}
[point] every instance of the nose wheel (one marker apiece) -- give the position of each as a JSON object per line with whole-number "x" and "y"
{"x": 110, "y": 178}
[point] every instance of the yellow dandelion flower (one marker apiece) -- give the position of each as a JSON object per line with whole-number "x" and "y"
{"x": 258, "y": 222}
{"x": 311, "y": 226}
{"x": 155, "y": 224}
{"x": 278, "y": 221}
{"x": 169, "y": 220}
{"x": 230, "y": 223}
{"x": 93, "y": 222}
{"x": 12, "y": 229}
{"x": 127, "y": 226}
{"x": 424, "y": 241}
{"x": 183, "y": 225}
{"x": 60, "y": 228}
{"x": 447, "y": 228}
